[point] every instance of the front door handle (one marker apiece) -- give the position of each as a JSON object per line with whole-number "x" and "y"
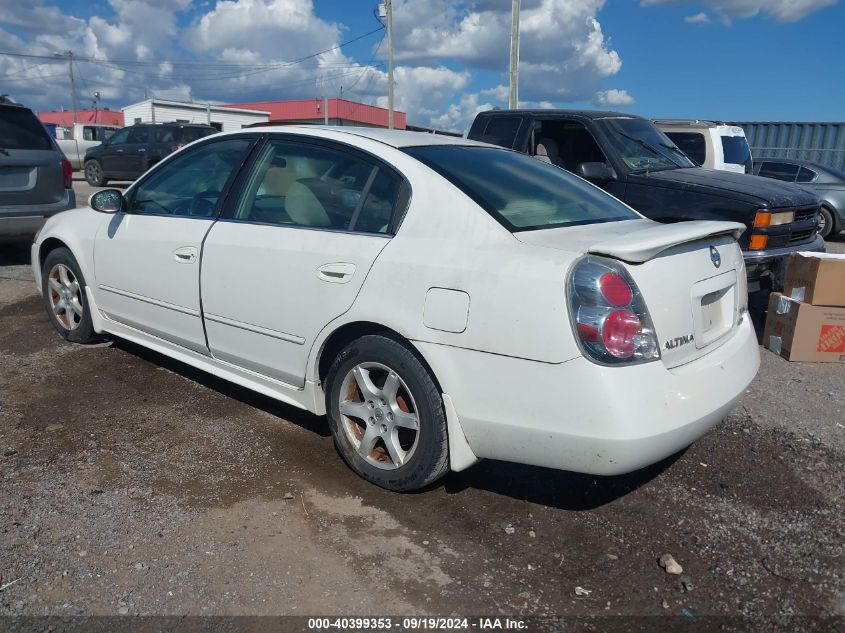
{"x": 186, "y": 254}
{"x": 336, "y": 273}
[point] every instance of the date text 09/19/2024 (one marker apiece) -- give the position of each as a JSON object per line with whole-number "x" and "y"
{"x": 416, "y": 623}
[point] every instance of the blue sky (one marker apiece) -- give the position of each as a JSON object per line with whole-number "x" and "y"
{"x": 722, "y": 59}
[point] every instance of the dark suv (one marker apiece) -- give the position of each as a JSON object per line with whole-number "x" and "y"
{"x": 35, "y": 177}
{"x": 133, "y": 150}
{"x": 633, "y": 160}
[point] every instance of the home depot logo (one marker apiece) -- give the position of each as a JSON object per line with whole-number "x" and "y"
{"x": 832, "y": 338}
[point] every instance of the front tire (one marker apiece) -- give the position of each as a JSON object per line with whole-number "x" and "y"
{"x": 94, "y": 174}
{"x": 63, "y": 289}
{"x": 386, "y": 414}
{"x": 827, "y": 224}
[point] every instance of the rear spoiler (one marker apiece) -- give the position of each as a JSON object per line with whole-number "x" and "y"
{"x": 641, "y": 246}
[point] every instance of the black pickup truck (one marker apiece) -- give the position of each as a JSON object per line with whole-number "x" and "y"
{"x": 633, "y": 160}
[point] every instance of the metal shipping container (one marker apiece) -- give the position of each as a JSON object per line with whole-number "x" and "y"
{"x": 822, "y": 143}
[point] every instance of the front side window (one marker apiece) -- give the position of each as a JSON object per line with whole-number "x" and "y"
{"x": 520, "y": 192}
{"x": 120, "y": 137}
{"x": 501, "y": 130}
{"x": 779, "y": 171}
{"x": 191, "y": 184}
{"x": 692, "y": 144}
{"x": 139, "y": 134}
{"x": 313, "y": 186}
{"x": 643, "y": 147}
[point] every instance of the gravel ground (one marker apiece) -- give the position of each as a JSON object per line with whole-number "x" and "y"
{"x": 132, "y": 484}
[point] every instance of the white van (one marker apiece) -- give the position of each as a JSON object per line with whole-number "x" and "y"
{"x": 710, "y": 144}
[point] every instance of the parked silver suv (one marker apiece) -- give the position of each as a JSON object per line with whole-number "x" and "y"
{"x": 35, "y": 177}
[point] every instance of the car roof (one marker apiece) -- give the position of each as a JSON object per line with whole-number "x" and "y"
{"x": 582, "y": 114}
{"x": 394, "y": 138}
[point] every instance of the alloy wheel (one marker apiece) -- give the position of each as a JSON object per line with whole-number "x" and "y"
{"x": 379, "y": 415}
{"x": 65, "y": 296}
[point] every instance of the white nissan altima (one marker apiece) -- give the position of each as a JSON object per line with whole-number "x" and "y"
{"x": 442, "y": 301}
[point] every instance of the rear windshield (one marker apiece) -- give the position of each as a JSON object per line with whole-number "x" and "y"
{"x": 20, "y": 129}
{"x": 520, "y": 192}
{"x": 191, "y": 134}
{"x": 736, "y": 150}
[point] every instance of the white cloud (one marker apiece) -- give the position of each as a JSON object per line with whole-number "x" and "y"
{"x": 781, "y": 10}
{"x": 451, "y": 55}
{"x": 613, "y": 97}
{"x": 563, "y": 52}
{"x": 698, "y": 18}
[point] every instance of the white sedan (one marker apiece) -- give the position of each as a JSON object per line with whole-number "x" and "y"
{"x": 442, "y": 301}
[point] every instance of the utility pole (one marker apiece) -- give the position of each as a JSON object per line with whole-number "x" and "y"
{"x": 73, "y": 104}
{"x": 513, "y": 101}
{"x": 390, "y": 116}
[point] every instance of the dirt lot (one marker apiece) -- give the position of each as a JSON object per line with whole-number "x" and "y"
{"x": 132, "y": 484}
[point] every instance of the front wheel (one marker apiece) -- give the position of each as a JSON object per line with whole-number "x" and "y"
{"x": 826, "y": 222}
{"x": 94, "y": 174}
{"x": 386, "y": 414}
{"x": 63, "y": 289}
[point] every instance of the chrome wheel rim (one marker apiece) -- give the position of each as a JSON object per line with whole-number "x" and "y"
{"x": 379, "y": 415}
{"x": 65, "y": 296}
{"x": 822, "y": 223}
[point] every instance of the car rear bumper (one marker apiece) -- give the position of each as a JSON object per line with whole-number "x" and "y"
{"x": 24, "y": 222}
{"x": 589, "y": 418}
{"x": 771, "y": 263}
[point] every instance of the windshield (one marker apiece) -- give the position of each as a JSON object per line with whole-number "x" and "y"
{"x": 521, "y": 192}
{"x": 642, "y": 147}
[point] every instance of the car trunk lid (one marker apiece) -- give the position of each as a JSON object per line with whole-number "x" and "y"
{"x": 690, "y": 274}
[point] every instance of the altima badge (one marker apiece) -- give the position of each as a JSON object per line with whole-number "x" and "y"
{"x": 678, "y": 341}
{"x": 715, "y": 257}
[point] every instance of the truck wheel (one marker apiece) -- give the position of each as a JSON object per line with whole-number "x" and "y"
{"x": 94, "y": 174}
{"x": 826, "y": 222}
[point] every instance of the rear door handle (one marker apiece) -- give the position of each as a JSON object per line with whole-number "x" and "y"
{"x": 186, "y": 254}
{"x": 336, "y": 273}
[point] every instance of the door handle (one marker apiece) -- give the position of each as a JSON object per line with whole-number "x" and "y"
{"x": 186, "y": 254}
{"x": 142, "y": 149}
{"x": 118, "y": 150}
{"x": 336, "y": 273}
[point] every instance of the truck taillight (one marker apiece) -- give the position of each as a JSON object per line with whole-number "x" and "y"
{"x": 609, "y": 315}
{"x": 67, "y": 173}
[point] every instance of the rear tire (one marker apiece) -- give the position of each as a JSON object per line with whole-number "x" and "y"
{"x": 828, "y": 222}
{"x": 94, "y": 174}
{"x": 386, "y": 414}
{"x": 63, "y": 289}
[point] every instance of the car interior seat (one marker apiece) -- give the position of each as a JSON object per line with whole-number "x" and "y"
{"x": 304, "y": 207}
{"x": 547, "y": 151}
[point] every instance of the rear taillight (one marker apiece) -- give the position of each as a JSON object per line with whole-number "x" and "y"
{"x": 609, "y": 315}
{"x": 67, "y": 173}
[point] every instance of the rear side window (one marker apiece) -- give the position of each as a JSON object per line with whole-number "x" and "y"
{"x": 806, "y": 175}
{"x": 736, "y": 150}
{"x": 780, "y": 171}
{"x": 521, "y": 192}
{"x": 305, "y": 185}
{"x": 21, "y": 129}
{"x": 690, "y": 143}
{"x": 501, "y": 130}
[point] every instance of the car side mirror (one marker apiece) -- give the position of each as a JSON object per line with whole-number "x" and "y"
{"x": 599, "y": 172}
{"x": 107, "y": 201}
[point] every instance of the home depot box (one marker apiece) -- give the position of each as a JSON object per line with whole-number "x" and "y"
{"x": 816, "y": 278}
{"x": 804, "y": 332}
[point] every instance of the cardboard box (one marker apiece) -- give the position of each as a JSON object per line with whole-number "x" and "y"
{"x": 802, "y": 332}
{"x": 816, "y": 278}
